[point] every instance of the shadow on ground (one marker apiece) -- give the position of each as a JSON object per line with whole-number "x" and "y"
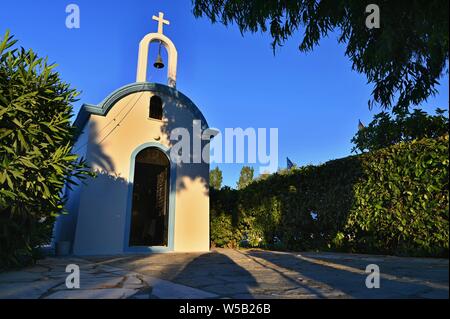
{"x": 213, "y": 272}
{"x": 345, "y": 274}
{"x": 263, "y": 274}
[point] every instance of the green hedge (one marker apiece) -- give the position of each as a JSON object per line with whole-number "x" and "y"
{"x": 224, "y": 217}
{"x": 392, "y": 201}
{"x": 401, "y": 206}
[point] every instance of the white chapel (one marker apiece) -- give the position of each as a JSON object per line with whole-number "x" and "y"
{"x": 142, "y": 198}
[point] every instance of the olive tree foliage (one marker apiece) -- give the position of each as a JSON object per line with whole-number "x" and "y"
{"x": 36, "y": 139}
{"x": 389, "y": 129}
{"x": 403, "y": 59}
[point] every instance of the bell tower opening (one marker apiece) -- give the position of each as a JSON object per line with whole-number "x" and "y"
{"x": 150, "y": 202}
{"x": 162, "y": 41}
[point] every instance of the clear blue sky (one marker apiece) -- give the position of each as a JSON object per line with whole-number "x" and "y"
{"x": 314, "y": 99}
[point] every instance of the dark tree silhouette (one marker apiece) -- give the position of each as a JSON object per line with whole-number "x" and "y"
{"x": 403, "y": 59}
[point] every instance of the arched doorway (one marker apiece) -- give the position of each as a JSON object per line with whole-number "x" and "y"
{"x": 150, "y": 201}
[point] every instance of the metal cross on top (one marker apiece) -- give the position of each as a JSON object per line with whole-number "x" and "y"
{"x": 161, "y": 22}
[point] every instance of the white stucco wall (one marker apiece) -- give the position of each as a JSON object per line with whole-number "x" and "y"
{"x": 66, "y": 223}
{"x": 103, "y": 202}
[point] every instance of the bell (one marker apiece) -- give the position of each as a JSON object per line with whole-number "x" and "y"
{"x": 159, "y": 64}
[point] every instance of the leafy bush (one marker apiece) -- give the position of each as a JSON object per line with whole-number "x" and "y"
{"x": 401, "y": 206}
{"x": 392, "y": 201}
{"x": 224, "y": 229}
{"x": 35, "y": 152}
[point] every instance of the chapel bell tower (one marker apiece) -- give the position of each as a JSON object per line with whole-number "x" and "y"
{"x": 162, "y": 40}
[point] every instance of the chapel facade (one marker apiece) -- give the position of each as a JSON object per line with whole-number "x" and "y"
{"x": 146, "y": 197}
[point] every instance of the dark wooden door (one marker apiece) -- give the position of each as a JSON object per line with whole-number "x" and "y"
{"x": 149, "y": 219}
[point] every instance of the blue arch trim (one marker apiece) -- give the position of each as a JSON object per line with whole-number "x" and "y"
{"x": 172, "y": 196}
{"x": 105, "y": 106}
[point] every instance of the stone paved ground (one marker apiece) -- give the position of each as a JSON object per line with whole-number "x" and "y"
{"x": 47, "y": 280}
{"x": 226, "y": 273}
